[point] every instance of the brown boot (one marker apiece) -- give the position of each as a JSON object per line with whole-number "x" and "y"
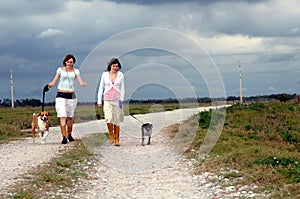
{"x": 63, "y": 133}
{"x": 110, "y": 128}
{"x": 117, "y": 134}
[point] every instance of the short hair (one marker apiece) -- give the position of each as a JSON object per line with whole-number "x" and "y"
{"x": 113, "y": 61}
{"x": 69, "y": 56}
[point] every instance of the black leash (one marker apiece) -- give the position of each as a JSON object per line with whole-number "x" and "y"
{"x": 137, "y": 119}
{"x": 45, "y": 89}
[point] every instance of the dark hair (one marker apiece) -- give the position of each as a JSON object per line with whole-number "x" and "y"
{"x": 69, "y": 56}
{"x": 113, "y": 61}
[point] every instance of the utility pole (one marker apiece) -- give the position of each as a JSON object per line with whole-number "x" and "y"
{"x": 241, "y": 92}
{"x": 12, "y": 89}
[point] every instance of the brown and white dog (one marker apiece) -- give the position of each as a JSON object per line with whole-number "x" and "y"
{"x": 41, "y": 123}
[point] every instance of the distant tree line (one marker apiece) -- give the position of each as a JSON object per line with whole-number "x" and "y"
{"x": 283, "y": 97}
{"x": 23, "y": 102}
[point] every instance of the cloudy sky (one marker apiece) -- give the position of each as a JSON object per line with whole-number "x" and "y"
{"x": 167, "y": 48}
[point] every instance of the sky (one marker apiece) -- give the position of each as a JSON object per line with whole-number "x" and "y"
{"x": 167, "y": 48}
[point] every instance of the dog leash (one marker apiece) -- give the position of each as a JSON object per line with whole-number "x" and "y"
{"x": 45, "y": 89}
{"x": 137, "y": 119}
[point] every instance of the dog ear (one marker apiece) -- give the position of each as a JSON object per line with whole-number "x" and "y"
{"x": 49, "y": 114}
{"x": 39, "y": 114}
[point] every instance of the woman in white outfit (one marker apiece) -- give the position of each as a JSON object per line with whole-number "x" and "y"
{"x": 112, "y": 91}
{"x": 66, "y": 101}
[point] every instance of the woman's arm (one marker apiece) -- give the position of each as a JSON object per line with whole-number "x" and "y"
{"x": 122, "y": 89}
{"x": 100, "y": 91}
{"x": 81, "y": 82}
{"x": 55, "y": 79}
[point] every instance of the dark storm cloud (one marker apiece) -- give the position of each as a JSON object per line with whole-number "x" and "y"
{"x": 36, "y": 35}
{"x": 202, "y": 2}
{"x": 16, "y": 8}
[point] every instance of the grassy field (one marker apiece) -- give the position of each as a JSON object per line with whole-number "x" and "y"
{"x": 259, "y": 145}
{"x": 14, "y": 122}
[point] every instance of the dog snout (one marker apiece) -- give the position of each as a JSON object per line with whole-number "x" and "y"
{"x": 44, "y": 118}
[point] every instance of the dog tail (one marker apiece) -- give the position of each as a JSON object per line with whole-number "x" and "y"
{"x": 33, "y": 114}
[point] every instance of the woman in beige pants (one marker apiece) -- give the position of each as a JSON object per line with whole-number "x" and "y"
{"x": 112, "y": 89}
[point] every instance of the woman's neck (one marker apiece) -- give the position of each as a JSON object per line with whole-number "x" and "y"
{"x": 68, "y": 69}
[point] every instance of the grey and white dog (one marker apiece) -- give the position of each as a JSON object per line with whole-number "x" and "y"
{"x": 146, "y": 131}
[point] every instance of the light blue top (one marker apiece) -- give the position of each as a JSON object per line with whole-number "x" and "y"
{"x": 67, "y": 79}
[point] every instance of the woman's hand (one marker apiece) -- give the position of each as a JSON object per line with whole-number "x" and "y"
{"x": 84, "y": 84}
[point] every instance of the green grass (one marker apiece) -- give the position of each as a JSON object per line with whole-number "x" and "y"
{"x": 16, "y": 123}
{"x": 261, "y": 141}
{"x": 57, "y": 177}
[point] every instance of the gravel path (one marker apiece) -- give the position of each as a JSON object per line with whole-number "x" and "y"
{"x": 128, "y": 171}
